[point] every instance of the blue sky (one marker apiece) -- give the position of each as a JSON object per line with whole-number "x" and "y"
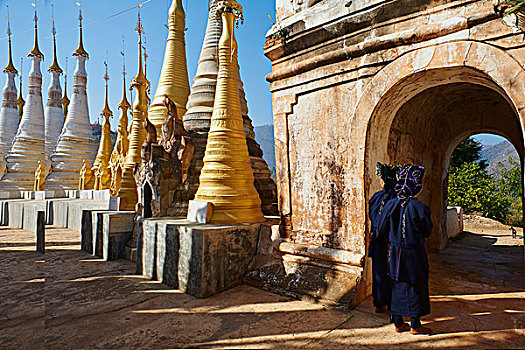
{"x": 106, "y": 36}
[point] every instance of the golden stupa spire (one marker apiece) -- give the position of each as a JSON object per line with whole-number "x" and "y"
{"x": 80, "y": 51}
{"x": 10, "y": 66}
{"x": 124, "y": 104}
{"x": 106, "y": 112}
{"x": 128, "y": 191}
{"x": 100, "y": 166}
{"x": 226, "y": 178}
{"x": 54, "y": 66}
{"x": 20, "y": 102}
{"x": 35, "y": 52}
{"x": 173, "y": 81}
{"x": 65, "y": 99}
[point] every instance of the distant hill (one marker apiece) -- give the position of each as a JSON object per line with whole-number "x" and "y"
{"x": 264, "y": 137}
{"x": 97, "y": 133}
{"x": 498, "y": 153}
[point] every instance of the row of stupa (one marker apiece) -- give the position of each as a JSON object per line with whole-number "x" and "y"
{"x": 76, "y": 151}
{"x": 56, "y": 137}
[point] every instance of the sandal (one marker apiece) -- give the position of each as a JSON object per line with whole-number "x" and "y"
{"x": 421, "y": 330}
{"x": 404, "y": 328}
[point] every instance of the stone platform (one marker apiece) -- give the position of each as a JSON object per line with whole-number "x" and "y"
{"x": 199, "y": 259}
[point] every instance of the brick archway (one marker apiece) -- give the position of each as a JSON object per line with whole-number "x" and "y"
{"x": 420, "y": 82}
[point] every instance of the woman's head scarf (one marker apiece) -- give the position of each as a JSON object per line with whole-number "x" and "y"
{"x": 388, "y": 174}
{"x": 409, "y": 182}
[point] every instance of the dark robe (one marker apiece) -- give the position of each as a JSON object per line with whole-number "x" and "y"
{"x": 408, "y": 227}
{"x": 378, "y": 251}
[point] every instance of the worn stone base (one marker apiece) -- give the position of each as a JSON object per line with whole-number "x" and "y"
{"x": 106, "y": 233}
{"x": 201, "y": 260}
{"x": 317, "y": 274}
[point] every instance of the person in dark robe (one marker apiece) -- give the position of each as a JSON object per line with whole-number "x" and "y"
{"x": 407, "y": 222}
{"x": 378, "y": 248}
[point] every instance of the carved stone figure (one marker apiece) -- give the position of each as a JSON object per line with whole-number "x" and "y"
{"x": 175, "y": 139}
{"x": 40, "y": 177}
{"x": 151, "y": 138}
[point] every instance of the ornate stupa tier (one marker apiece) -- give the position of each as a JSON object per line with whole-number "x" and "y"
{"x": 100, "y": 166}
{"x": 28, "y": 147}
{"x": 227, "y": 178}
{"x": 76, "y": 142}
{"x": 200, "y": 108}
{"x": 120, "y": 151}
{"x": 9, "y": 119}
{"x": 173, "y": 81}
{"x": 128, "y": 188}
{"x": 54, "y": 118}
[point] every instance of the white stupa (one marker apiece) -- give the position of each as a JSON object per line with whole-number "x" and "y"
{"x": 9, "y": 120}
{"x": 54, "y": 115}
{"x": 28, "y": 145}
{"x": 76, "y": 142}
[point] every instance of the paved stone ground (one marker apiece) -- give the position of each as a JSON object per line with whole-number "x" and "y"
{"x": 477, "y": 285}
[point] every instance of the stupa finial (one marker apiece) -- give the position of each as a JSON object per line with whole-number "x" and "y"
{"x": 124, "y": 103}
{"x": 65, "y": 99}
{"x": 35, "y": 52}
{"x": 80, "y": 51}
{"x": 20, "y": 102}
{"x": 106, "y": 112}
{"x": 10, "y": 66}
{"x": 54, "y": 66}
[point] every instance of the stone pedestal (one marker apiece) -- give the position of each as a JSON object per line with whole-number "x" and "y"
{"x": 201, "y": 260}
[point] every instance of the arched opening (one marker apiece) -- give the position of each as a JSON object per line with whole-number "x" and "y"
{"x": 148, "y": 198}
{"x": 422, "y": 121}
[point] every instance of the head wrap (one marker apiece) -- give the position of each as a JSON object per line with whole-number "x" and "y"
{"x": 388, "y": 174}
{"x": 409, "y": 182}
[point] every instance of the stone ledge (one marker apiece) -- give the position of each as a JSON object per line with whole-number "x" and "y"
{"x": 201, "y": 260}
{"x": 323, "y": 253}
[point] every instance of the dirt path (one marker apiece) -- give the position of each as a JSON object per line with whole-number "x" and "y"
{"x": 478, "y": 301}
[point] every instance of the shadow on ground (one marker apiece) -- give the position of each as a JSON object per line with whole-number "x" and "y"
{"x": 478, "y": 301}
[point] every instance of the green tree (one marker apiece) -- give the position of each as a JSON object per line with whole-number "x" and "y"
{"x": 468, "y": 151}
{"x": 510, "y": 187}
{"x": 473, "y": 189}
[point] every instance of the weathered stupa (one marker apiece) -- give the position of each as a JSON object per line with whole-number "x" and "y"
{"x": 173, "y": 81}
{"x": 198, "y": 116}
{"x": 226, "y": 178}
{"x": 76, "y": 142}
{"x": 9, "y": 119}
{"x": 100, "y": 167}
{"x": 120, "y": 151}
{"x": 54, "y": 116}
{"x": 28, "y": 146}
{"x": 128, "y": 189}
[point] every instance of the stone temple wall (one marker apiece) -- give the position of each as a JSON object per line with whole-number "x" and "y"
{"x": 356, "y": 82}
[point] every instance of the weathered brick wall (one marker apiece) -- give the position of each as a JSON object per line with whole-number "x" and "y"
{"x": 389, "y": 81}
